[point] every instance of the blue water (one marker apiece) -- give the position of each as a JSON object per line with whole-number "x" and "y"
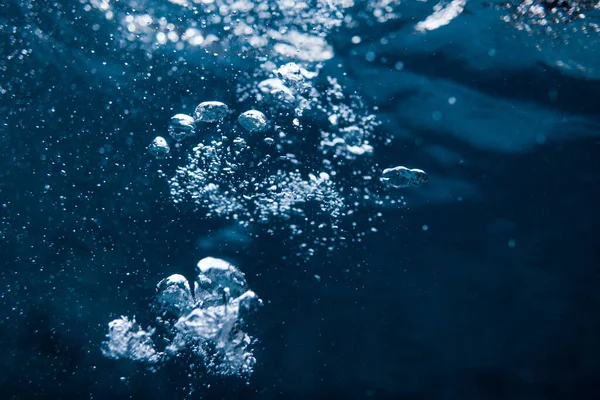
{"x": 481, "y": 283}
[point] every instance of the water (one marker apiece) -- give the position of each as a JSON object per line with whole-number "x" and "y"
{"x": 388, "y": 199}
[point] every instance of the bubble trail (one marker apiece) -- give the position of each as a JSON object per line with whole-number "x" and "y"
{"x": 205, "y": 323}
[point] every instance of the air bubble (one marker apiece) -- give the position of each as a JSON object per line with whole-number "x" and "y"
{"x": 253, "y": 121}
{"x": 276, "y": 91}
{"x": 181, "y": 127}
{"x": 401, "y": 177}
{"x": 159, "y": 147}
{"x": 210, "y": 111}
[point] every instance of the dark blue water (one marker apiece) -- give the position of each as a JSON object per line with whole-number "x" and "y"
{"x": 483, "y": 286}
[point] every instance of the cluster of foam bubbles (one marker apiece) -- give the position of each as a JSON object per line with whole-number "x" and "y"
{"x": 383, "y": 10}
{"x": 263, "y": 168}
{"x": 556, "y": 18}
{"x": 350, "y": 128}
{"x": 292, "y": 91}
{"x": 291, "y": 28}
{"x": 231, "y": 179}
{"x": 305, "y": 157}
{"x": 204, "y": 322}
{"x": 287, "y": 89}
{"x": 303, "y": 152}
{"x": 442, "y": 15}
{"x": 126, "y": 339}
{"x": 300, "y": 150}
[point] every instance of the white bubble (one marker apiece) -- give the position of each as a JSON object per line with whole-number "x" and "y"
{"x": 442, "y": 16}
{"x": 181, "y": 126}
{"x": 253, "y": 121}
{"x": 175, "y": 294}
{"x": 276, "y": 90}
{"x": 268, "y": 85}
{"x": 210, "y": 111}
{"x": 401, "y": 177}
{"x": 209, "y": 263}
{"x": 159, "y": 147}
{"x": 292, "y": 72}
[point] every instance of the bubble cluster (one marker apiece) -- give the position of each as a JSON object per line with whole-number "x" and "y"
{"x": 442, "y": 15}
{"x": 294, "y": 29}
{"x": 382, "y": 10}
{"x": 205, "y": 322}
{"x": 558, "y": 19}
{"x": 274, "y": 90}
{"x": 126, "y": 339}
{"x": 312, "y": 165}
{"x": 350, "y": 128}
{"x": 289, "y": 87}
{"x": 231, "y": 179}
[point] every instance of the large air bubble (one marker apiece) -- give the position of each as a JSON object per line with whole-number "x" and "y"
{"x": 182, "y": 126}
{"x": 210, "y": 111}
{"x": 159, "y": 147}
{"x": 253, "y": 121}
{"x": 401, "y": 177}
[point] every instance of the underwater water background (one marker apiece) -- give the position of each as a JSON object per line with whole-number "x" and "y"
{"x": 484, "y": 285}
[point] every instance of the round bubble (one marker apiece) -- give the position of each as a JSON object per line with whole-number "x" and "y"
{"x": 159, "y": 147}
{"x": 253, "y": 121}
{"x": 210, "y": 111}
{"x": 401, "y": 177}
{"x": 181, "y": 127}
